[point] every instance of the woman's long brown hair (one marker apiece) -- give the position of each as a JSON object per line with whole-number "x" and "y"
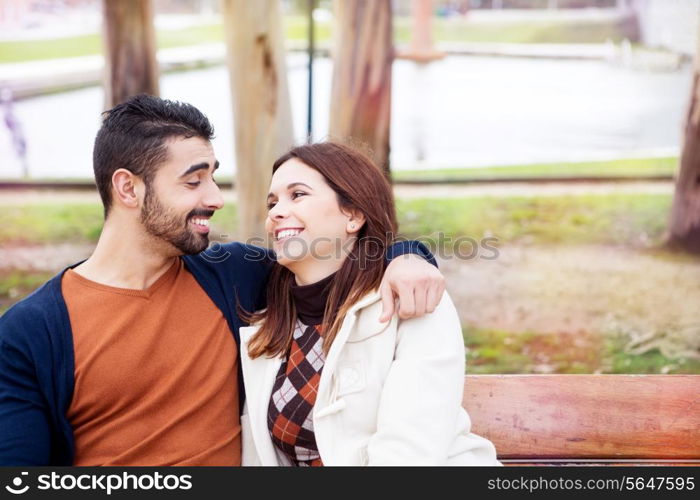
{"x": 359, "y": 186}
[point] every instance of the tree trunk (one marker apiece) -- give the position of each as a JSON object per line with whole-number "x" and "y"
{"x": 684, "y": 231}
{"x": 261, "y": 106}
{"x": 130, "y": 50}
{"x": 421, "y": 49}
{"x": 361, "y": 89}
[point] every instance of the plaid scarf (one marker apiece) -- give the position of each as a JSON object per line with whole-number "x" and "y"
{"x": 289, "y": 414}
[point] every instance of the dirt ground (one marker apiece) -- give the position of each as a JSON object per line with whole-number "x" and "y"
{"x": 580, "y": 291}
{"x": 649, "y": 297}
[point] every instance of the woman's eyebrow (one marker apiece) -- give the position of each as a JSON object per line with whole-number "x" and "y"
{"x": 290, "y": 186}
{"x": 295, "y": 184}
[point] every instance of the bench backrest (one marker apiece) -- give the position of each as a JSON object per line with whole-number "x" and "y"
{"x": 579, "y": 418}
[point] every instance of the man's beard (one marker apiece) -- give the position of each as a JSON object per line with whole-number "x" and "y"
{"x": 170, "y": 227}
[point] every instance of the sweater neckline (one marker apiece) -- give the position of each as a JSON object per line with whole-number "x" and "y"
{"x": 310, "y": 300}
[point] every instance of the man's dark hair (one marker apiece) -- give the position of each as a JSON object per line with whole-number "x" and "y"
{"x": 133, "y": 136}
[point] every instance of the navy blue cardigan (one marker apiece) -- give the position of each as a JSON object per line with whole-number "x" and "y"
{"x": 36, "y": 349}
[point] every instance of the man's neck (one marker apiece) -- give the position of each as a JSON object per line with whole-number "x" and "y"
{"x": 126, "y": 259}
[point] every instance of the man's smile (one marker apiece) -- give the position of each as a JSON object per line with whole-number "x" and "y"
{"x": 200, "y": 224}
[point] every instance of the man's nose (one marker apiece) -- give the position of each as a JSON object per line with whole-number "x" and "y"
{"x": 214, "y": 199}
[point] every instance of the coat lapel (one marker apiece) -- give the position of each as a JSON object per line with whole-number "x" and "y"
{"x": 259, "y": 378}
{"x": 347, "y": 332}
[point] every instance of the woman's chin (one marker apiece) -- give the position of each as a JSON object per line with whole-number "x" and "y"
{"x": 291, "y": 250}
{"x": 291, "y": 262}
{"x": 285, "y": 261}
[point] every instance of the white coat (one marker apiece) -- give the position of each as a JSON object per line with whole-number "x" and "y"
{"x": 389, "y": 394}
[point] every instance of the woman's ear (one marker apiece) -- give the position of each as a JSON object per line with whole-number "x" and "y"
{"x": 126, "y": 188}
{"x": 356, "y": 220}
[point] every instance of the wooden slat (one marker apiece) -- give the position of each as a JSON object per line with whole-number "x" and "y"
{"x": 587, "y": 416}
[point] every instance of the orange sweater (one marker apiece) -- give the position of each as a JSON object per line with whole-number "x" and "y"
{"x": 156, "y": 374}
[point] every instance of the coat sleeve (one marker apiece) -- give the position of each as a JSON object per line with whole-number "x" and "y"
{"x": 25, "y": 436}
{"x": 420, "y": 406}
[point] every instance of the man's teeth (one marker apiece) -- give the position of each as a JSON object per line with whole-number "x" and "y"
{"x": 201, "y": 222}
{"x": 288, "y": 232}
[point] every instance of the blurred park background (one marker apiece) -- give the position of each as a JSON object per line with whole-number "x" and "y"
{"x": 547, "y": 150}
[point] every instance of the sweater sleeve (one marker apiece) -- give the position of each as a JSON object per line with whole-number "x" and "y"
{"x": 24, "y": 416}
{"x": 409, "y": 247}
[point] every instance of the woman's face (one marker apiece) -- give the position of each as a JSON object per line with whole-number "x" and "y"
{"x": 305, "y": 221}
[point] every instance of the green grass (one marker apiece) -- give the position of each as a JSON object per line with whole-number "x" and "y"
{"x": 625, "y": 219}
{"x": 651, "y": 362}
{"x": 451, "y": 30}
{"x": 491, "y": 351}
{"x": 635, "y": 167}
{"x": 86, "y": 45}
{"x": 631, "y": 167}
{"x": 15, "y": 285}
{"x": 32, "y": 50}
{"x": 464, "y": 30}
{"x": 50, "y": 223}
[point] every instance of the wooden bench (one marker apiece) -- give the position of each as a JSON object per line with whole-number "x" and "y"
{"x": 581, "y": 419}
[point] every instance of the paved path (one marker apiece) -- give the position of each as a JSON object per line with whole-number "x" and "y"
{"x": 26, "y": 196}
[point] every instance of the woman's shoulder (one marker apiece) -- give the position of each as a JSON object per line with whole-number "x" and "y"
{"x": 371, "y": 305}
{"x": 445, "y": 312}
{"x": 438, "y": 331}
{"x": 443, "y": 321}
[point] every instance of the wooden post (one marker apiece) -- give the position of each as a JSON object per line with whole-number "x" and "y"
{"x": 361, "y": 89}
{"x": 684, "y": 230}
{"x": 421, "y": 48}
{"x": 261, "y": 106}
{"x": 130, "y": 50}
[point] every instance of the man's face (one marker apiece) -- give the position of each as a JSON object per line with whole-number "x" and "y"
{"x": 183, "y": 196}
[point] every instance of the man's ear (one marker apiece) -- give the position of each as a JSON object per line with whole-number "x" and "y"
{"x": 128, "y": 189}
{"x": 356, "y": 220}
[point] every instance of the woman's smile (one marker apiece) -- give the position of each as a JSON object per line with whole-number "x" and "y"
{"x": 287, "y": 232}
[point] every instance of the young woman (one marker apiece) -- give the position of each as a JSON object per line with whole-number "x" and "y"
{"x": 326, "y": 382}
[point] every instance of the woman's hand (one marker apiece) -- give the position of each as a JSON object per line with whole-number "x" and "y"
{"x": 415, "y": 282}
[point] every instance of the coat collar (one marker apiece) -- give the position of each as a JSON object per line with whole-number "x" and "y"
{"x": 360, "y": 322}
{"x": 370, "y": 326}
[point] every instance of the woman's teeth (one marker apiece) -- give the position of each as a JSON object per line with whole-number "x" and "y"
{"x": 288, "y": 232}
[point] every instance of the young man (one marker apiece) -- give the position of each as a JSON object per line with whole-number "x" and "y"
{"x": 131, "y": 357}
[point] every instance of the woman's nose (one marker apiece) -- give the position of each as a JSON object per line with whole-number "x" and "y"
{"x": 279, "y": 211}
{"x": 275, "y": 215}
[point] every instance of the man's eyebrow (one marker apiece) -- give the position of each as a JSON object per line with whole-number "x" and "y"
{"x": 199, "y": 166}
{"x": 290, "y": 186}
